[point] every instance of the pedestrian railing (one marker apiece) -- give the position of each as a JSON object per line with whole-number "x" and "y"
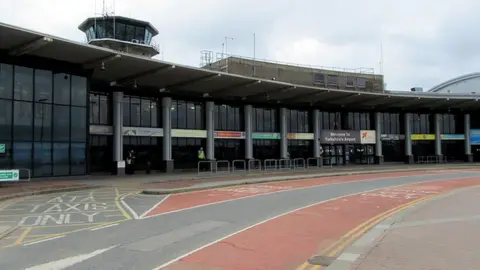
{"x": 270, "y": 164}
{"x": 314, "y": 162}
{"x": 299, "y": 164}
{"x": 222, "y": 166}
{"x": 429, "y": 159}
{"x": 284, "y": 164}
{"x": 239, "y": 165}
{"x": 205, "y": 166}
{"x": 254, "y": 165}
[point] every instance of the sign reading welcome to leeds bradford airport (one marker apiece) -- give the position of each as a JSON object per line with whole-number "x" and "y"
{"x": 348, "y": 137}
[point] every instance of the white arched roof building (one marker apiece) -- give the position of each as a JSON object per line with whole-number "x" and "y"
{"x": 469, "y": 83}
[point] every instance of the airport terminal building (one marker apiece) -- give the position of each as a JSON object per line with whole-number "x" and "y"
{"x": 69, "y": 108}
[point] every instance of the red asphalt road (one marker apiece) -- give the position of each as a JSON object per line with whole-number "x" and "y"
{"x": 176, "y": 202}
{"x": 288, "y": 241}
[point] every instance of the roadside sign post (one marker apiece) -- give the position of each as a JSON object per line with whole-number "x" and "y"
{"x": 9, "y": 175}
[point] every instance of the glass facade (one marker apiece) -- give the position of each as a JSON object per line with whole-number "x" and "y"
{"x": 188, "y": 115}
{"x": 298, "y": 121}
{"x": 43, "y": 118}
{"x": 100, "y": 109}
{"x": 265, "y": 120}
{"x": 331, "y": 120}
{"x": 141, "y": 112}
{"x": 122, "y": 30}
{"x": 228, "y": 118}
{"x": 357, "y": 121}
{"x": 184, "y": 152}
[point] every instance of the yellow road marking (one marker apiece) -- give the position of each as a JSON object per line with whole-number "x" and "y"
{"x": 357, "y": 231}
{"x": 22, "y": 236}
{"x": 301, "y": 267}
{"x": 117, "y": 202}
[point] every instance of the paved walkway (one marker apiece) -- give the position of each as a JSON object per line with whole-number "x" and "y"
{"x": 439, "y": 234}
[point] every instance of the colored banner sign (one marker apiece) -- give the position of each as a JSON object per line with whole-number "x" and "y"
{"x": 2, "y": 148}
{"x": 9, "y": 175}
{"x": 392, "y": 137}
{"x": 368, "y": 137}
{"x": 229, "y": 135}
{"x": 101, "y": 130}
{"x": 189, "y": 133}
{"x": 452, "y": 137}
{"x": 475, "y": 136}
{"x": 143, "y": 132}
{"x": 422, "y": 137}
{"x": 300, "y": 136}
{"x": 266, "y": 136}
{"x": 347, "y": 136}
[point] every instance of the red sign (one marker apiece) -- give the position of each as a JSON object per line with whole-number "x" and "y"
{"x": 229, "y": 134}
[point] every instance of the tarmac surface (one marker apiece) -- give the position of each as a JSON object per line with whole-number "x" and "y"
{"x": 119, "y": 228}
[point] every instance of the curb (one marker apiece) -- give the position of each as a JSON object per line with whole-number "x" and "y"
{"x": 351, "y": 257}
{"x": 46, "y": 191}
{"x": 160, "y": 191}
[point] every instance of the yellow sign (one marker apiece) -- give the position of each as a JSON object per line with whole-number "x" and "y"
{"x": 422, "y": 137}
{"x": 300, "y": 136}
{"x": 189, "y": 133}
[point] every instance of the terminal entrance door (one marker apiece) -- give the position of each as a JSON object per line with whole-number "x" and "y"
{"x": 359, "y": 154}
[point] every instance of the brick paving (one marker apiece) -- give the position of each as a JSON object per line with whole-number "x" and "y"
{"x": 440, "y": 235}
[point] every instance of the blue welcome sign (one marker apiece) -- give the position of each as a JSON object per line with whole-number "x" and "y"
{"x": 475, "y": 137}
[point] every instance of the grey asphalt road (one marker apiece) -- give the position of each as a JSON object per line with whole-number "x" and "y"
{"x": 149, "y": 243}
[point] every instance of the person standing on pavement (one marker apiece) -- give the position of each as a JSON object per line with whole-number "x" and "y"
{"x": 201, "y": 157}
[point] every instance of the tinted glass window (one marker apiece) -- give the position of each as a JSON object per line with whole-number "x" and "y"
{"x": 120, "y": 31}
{"x": 42, "y": 159}
{"x": 43, "y": 122}
{"x": 61, "y": 159}
{"x": 79, "y": 91}
{"x": 43, "y": 86}
{"x": 146, "y": 111}
{"x": 6, "y": 81}
{"x": 298, "y": 121}
{"x": 5, "y": 120}
{"x": 22, "y": 155}
{"x": 126, "y": 111}
{"x": 61, "y": 88}
{"x": 77, "y": 159}
{"x": 228, "y": 118}
{"x": 61, "y": 123}
{"x": 23, "y": 87}
{"x": 79, "y": 124}
{"x": 265, "y": 120}
{"x": 6, "y": 159}
{"x": 140, "y": 34}
{"x": 154, "y": 116}
{"x": 130, "y": 33}
{"x": 22, "y": 121}
{"x": 135, "y": 112}
{"x": 109, "y": 29}
{"x": 94, "y": 109}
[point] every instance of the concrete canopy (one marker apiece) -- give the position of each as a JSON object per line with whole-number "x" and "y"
{"x": 124, "y": 70}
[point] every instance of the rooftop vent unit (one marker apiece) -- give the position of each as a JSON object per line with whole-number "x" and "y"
{"x": 417, "y": 89}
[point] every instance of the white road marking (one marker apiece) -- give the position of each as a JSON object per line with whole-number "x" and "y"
{"x": 155, "y": 206}
{"x": 349, "y": 257}
{"x": 70, "y": 261}
{"x": 44, "y": 240}
{"x": 108, "y": 226}
{"x": 134, "y": 214}
{"x": 286, "y": 213}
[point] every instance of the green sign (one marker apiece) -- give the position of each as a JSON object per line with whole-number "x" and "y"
{"x": 9, "y": 175}
{"x": 265, "y": 136}
{"x": 2, "y": 148}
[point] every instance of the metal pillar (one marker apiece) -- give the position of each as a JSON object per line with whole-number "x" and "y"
{"x": 378, "y": 138}
{"x": 210, "y": 153}
{"x": 316, "y": 133}
{"x": 248, "y": 132}
{"x": 167, "y": 134}
{"x": 119, "y": 163}
{"x": 438, "y": 136}
{"x": 408, "y": 138}
{"x": 283, "y": 133}
{"x": 468, "y": 143}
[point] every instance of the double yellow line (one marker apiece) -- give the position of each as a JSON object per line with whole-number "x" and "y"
{"x": 335, "y": 248}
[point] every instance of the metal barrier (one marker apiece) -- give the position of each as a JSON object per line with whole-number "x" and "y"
{"x": 270, "y": 164}
{"x": 330, "y": 162}
{"x": 284, "y": 164}
{"x": 299, "y": 163}
{"x": 242, "y": 164}
{"x": 257, "y": 164}
{"x": 206, "y": 164}
{"x": 222, "y": 162}
{"x": 429, "y": 159}
{"x": 316, "y": 164}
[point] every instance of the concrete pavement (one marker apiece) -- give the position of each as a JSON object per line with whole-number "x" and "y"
{"x": 437, "y": 234}
{"x": 163, "y": 240}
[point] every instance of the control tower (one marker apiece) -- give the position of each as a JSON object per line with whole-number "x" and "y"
{"x": 121, "y": 34}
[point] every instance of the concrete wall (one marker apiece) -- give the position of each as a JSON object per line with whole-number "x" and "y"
{"x": 299, "y": 74}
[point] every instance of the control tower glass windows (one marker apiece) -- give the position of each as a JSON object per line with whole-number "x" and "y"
{"x": 120, "y": 29}
{"x": 130, "y": 34}
{"x": 139, "y": 34}
{"x": 148, "y": 36}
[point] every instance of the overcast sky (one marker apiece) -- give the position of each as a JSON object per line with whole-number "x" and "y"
{"x": 425, "y": 42}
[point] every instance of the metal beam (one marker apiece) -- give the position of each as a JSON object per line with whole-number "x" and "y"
{"x": 192, "y": 81}
{"x": 265, "y": 94}
{"x": 396, "y": 102}
{"x": 131, "y": 78}
{"x": 100, "y": 62}
{"x": 302, "y": 96}
{"x": 240, "y": 85}
{"x": 30, "y": 46}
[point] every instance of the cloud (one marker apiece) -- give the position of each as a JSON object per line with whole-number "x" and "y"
{"x": 424, "y": 42}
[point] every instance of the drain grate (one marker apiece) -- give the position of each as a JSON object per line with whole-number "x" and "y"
{"x": 322, "y": 260}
